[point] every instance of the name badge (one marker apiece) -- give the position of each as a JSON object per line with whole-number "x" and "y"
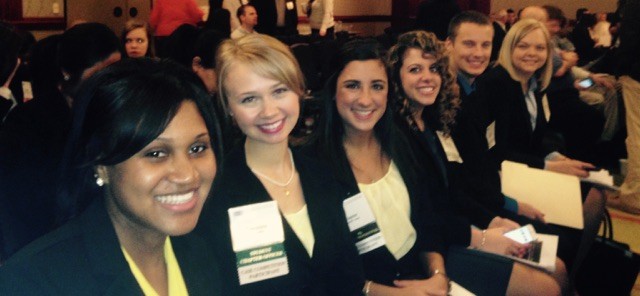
{"x": 27, "y": 92}
{"x": 290, "y": 5}
{"x": 450, "y": 148}
{"x": 257, "y": 236}
{"x": 362, "y": 224}
{"x": 490, "y": 134}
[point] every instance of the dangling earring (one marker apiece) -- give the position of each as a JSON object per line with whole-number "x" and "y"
{"x": 99, "y": 180}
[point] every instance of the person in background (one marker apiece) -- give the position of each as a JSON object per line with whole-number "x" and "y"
{"x": 203, "y": 62}
{"x": 167, "y": 15}
{"x": 219, "y": 18}
{"x": 248, "y": 17}
{"x": 138, "y": 40}
{"x": 628, "y": 69}
{"x": 320, "y": 13}
{"x": 139, "y": 164}
{"x": 512, "y": 18}
{"x": 287, "y": 18}
{"x": 499, "y": 31}
{"x": 261, "y": 86}
{"x": 9, "y": 63}
{"x": 600, "y": 32}
{"x": 33, "y": 139}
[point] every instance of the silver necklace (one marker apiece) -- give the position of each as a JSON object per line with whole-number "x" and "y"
{"x": 285, "y": 184}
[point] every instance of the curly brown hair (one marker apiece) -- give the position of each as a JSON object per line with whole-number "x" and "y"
{"x": 448, "y": 101}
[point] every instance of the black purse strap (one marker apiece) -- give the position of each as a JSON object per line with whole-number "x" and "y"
{"x": 607, "y": 227}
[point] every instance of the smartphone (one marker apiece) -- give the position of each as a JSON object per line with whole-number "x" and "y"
{"x": 523, "y": 235}
{"x": 586, "y": 83}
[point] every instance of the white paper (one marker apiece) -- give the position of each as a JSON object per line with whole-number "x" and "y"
{"x": 554, "y": 194}
{"x": 601, "y": 178}
{"x": 457, "y": 290}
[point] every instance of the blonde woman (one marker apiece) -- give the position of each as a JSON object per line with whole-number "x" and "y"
{"x": 290, "y": 196}
{"x": 513, "y": 94}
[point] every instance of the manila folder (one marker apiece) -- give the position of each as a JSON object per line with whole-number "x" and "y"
{"x": 554, "y": 194}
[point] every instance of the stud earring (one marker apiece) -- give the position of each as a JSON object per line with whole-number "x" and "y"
{"x": 99, "y": 180}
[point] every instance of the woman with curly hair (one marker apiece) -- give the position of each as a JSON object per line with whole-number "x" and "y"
{"x": 427, "y": 104}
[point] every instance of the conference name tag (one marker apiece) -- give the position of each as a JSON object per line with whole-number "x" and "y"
{"x": 257, "y": 236}
{"x": 362, "y": 224}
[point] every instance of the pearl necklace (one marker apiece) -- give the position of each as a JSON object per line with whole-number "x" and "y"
{"x": 285, "y": 184}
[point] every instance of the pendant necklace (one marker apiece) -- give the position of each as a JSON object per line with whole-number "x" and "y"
{"x": 285, "y": 184}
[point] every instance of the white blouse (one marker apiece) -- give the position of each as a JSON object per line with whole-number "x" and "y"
{"x": 301, "y": 225}
{"x": 389, "y": 202}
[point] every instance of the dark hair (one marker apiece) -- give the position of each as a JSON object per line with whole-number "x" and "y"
{"x": 9, "y": 51}
{"x": 441, "y": 115}
{"x": 45, "y": 72}
{"x": 241, "y": 10}
{"x": 468, "y": 16}
{"x": 555, "y": 13}
{"x": 117, "y": 113}
{"x": 179, "y": 45}
{"x": 510, "y": 10}
{"x": 329, "y": 136}
{"x": 219, "y": 20}
{"x": 206, "y": 46}
{"x": 80, "y": 48}
{"x": 580, "y": 12}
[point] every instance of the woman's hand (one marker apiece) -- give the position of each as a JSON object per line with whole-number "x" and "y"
{"x": 530, "y": 212}
{"x": 497, "y": 243}
{"x": 503, "y": 222}
{"x": 569, "y": 166}
{"x": 437, "y": 285}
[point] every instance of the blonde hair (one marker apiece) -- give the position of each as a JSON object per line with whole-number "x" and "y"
{"x": 518, "y": 31}
{"x": 265, "y": 55}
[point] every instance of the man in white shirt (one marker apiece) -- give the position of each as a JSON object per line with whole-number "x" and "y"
{"x": 248, "y": 17}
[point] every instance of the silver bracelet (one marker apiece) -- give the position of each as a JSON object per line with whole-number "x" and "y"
{"x": 484, "y": 239}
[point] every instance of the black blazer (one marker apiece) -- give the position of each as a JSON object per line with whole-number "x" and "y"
{"x": 334, "y": 268}
{"x": 475, "y": 177}
{"x": 84, "y": 257}
{"x": 515, "y": 140}
{"x": 498, "y": 36}
{"x": 380, "y": 265}
{"x": 455, "y": 228}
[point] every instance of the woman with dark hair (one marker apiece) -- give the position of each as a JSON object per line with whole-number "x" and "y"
{"x": 277, "y": 221}
{"x": 358, "y": 138}
{"x": 427, "y": 104}
{"x": 138, "y": 40}
{"x": 84, "y": 50}
{"x": 203, "y": 62}
{"x": 34, "y": 135}
{"x": 219, "y": 18}
{"x": 139, "y": 165}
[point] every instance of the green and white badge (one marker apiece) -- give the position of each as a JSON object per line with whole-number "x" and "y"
{"x": 257, "y": 236}
{"x": 362, "y": 223}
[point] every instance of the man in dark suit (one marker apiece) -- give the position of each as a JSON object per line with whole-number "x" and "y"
{"x": 499, "y": 31}
{"x": 277, "y": 17}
